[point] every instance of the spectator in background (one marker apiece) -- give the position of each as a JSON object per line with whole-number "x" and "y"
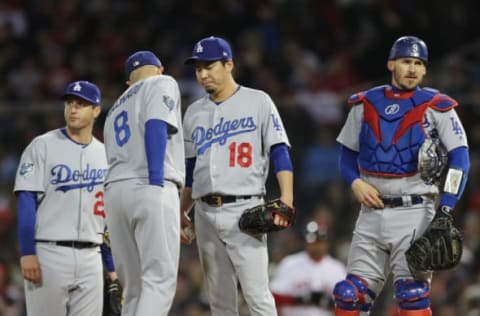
{"x": 304, "y": 281}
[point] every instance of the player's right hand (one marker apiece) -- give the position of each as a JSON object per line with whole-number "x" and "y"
{"x": 31, "y": 268}
{"x": 367, "y": 194}
{"x": 187, "y": 230}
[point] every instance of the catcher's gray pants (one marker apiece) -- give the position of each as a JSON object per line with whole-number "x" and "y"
{"x": 381, "y": 238}
{"x": 229, "y": 256}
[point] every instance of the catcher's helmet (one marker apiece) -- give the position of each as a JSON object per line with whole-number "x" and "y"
{"x": 315, "y": 232}
{"x": 409, "y": 46}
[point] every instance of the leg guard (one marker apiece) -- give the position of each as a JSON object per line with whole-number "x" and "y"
{"x": 413, "y": 297}
{"x": 342, "y": 312}
{"x": 423, "y": 312}
{"x": 352, "y": 295}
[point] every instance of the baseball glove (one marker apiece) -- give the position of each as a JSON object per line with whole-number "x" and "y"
{"x": 260, "y": 219}
{"x": 439, "y": 248}
{"x": 114, "y": 295}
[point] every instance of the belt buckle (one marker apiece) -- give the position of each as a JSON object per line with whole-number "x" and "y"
{"x": 218, "y": 200}
{"x": 407, "y": 200}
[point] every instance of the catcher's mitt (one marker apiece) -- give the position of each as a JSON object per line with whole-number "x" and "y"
{"x": 439, "y": 248}
{"x": 259, "y": 219}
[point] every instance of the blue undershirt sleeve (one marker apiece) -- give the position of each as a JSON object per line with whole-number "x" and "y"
{"x": 458, "y": 158}
{"x": 155, "y": 146}
{"x": 348, "y": 164}
{"x": 26, "y": 213}
{"x": 280, "y": 158}
{"x": 107, "y": 257}
{"x": 189, "y": 167}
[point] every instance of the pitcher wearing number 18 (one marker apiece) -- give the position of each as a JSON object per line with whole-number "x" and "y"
{"x": 144, "y": 144}
{"x": 231, "y": 134}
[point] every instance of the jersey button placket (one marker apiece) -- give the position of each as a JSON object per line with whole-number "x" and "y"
{"x": 213, "y": 158}
{"x": 81, "y": 206}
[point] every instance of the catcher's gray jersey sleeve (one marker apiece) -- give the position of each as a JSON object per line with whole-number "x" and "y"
{"x": 449, "y": 127}
{"x": 349, "y": 135}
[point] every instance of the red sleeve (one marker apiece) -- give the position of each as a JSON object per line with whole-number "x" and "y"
{"x": 282, "y": 299}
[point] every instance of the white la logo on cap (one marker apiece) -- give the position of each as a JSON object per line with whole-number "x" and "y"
{"x": 136, "y": 63}
{"x": 77, "y": 87}
{"x": 199, "y": 48}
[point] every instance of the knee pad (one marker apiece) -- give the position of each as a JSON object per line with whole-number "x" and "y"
{"x": 353, "y": 294}
{"x": 412, "y": 294}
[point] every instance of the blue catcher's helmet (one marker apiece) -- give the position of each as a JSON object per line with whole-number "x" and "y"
{"x": 409, "y": 46}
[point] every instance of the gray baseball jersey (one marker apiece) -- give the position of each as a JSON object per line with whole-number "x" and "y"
{"x": 68, "y": 178}
{"x": 231, "y": 142}
{"x": 144, "y": 221}
{"x": 156, "y": 97}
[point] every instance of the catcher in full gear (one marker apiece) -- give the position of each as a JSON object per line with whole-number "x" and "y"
{"x": 405, "y": 155}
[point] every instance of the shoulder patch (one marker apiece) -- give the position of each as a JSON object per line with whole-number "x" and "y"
{"x": 169, "y": 102}
{"x": 26, "y": 169}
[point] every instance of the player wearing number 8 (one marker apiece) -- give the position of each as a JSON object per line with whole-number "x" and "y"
{"x": 144, "y": 144}
{"x": 231, "y": 134}
{"x": 61, "y": 216}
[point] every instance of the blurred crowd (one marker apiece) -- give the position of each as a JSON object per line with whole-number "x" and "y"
{"x": 309, "y": 55}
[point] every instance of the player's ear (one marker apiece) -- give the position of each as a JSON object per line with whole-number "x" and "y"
{"x": 390, "y": 65}
{"x": 229, "y": 64}
{"x": 96, "y": 111}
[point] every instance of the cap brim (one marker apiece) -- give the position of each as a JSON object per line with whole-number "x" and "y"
{"x": 80, "y": 96}
{"x": 190, "y": 60}
{"x": 193, "y": 59}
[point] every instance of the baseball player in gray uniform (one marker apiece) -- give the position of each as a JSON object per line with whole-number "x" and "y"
{"x": 61, "y": 216}
{"x": 231, "y": 134}
{"x": 145, "y": 152}
{"x": 383, "y": 142}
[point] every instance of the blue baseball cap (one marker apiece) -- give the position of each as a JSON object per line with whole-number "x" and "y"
{"x": 83, "y": 89}
{"x": 139, "y": 59}
{"x": 210, "y": 49}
